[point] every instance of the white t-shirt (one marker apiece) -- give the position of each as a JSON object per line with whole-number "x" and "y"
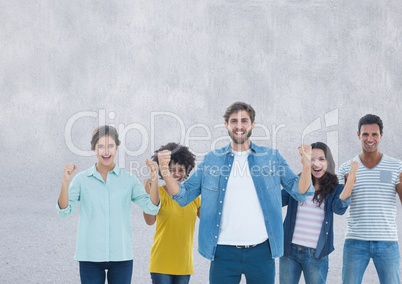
{"x": 242, "y": 217}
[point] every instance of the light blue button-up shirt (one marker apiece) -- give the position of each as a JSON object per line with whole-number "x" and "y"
{"x": 104, "y": 227}
{"x": 269, "y": 172}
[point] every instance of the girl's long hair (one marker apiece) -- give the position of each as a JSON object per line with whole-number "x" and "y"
{"x": 329, "y": 180}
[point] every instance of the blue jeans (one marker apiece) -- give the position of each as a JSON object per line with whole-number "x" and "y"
{"x": 256, "y": 263}
{"x": 300, "y": 259}
{"x": 159, "y": 278}
{"x": 118, "y": 272}
{"x": 357, "y": 254}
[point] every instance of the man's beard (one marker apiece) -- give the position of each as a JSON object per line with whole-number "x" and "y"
{"x": 242, "y": 140}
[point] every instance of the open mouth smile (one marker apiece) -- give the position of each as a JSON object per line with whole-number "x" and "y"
{"x": 106, "y": 158}
{"x": 317, "y": 170}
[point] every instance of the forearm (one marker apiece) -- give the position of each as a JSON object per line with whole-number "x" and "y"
{"x": 154, "y": 192}
{"x": 347, "y": 190}
{"x": 63, "y": 197}
{"x": 399, "y": 191}
{"x": 172, "y": 185}
{"x": 305, "y": 179}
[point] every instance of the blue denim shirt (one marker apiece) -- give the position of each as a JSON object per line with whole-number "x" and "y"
{"x": 269, "y": 171}
{"x": 333, "y": 204}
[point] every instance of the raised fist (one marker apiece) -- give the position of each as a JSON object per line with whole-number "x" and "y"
{"x": 152, "y": 168}
{"x": 305, "y": 153}
{"x": 354, "y": 166}
{"x": 69, "y": 169}
{"x": 164, "y": 157}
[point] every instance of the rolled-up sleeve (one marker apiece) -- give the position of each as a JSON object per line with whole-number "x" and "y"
{"x": 142, "y": 199}
{"x": 339, "y": 206}
{"x": 191, "y": 188}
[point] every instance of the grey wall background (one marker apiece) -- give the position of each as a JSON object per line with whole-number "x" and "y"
{"x": 156, "y": 69}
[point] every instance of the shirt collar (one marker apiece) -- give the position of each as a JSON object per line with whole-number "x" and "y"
{"x": 92, "y": 170}
{"x": 253, "y": 148}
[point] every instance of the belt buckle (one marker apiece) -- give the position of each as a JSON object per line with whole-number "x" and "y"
{"x": 245, "y": 246}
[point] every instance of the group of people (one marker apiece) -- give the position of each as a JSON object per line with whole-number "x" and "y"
{"x": 242, "y": 188}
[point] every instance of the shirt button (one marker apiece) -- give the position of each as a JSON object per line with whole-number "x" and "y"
{"x": 216, "y": 237}
{"x": 226, "y": 178}
{"x": 217, "y": 225}
{"x": 219, "y": 213}
{"x": 220, "y": 201}
{"x": 223, "y": 189}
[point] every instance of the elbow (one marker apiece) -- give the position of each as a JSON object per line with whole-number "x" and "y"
{"x": 62, "y": 205}
{"x": 149, "y": 219}
{"x": 64, "y": 214}
{"x": 341, "y": 212}
{"x": 341, "y": 209}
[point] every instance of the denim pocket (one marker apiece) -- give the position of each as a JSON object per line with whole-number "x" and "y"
{"x": 272, "y": 181}
{"x": 386, "y": 176}
{"x": 267, "y": 171}
{"x": 211, "y": 179}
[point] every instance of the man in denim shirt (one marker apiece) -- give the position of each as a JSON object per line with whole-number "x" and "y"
{"x": 240, "y": 228}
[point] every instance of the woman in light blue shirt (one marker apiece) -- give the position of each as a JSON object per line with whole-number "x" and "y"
{"x": 105, "y": 193}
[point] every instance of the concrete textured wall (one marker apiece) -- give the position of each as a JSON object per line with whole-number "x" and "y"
{"x": 165, "y": 71}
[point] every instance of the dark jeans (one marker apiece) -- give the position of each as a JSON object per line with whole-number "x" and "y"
{"x": 158, "y": 278}
{"x": 118, "y": 272}
{"x": 256, "y": 263}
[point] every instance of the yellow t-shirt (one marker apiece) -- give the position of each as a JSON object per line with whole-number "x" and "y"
{"x": 172, "y": 250}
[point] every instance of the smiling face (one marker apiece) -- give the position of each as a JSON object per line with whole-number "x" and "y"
{"x": 177, "y": 171}
{"x": 105, "y": 150}
{"x": 319, "y": 163}
{"x": 240, "y": 127}
{"x": 370, "y": 137}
